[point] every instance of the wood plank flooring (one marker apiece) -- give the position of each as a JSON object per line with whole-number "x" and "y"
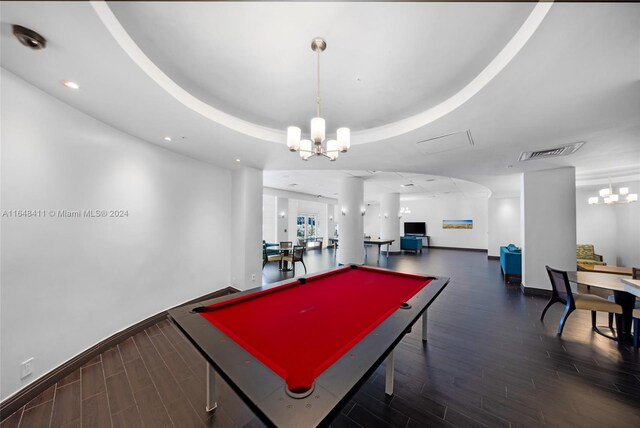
{"x": 489, "y": 362}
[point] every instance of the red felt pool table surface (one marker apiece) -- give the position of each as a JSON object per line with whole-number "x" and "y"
{"x": 299, "y": 330}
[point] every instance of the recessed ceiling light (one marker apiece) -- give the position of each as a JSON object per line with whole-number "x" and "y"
{"x": 430, "y": 179}
{"x": 509, "y": 166}
{"x": 407, "y": 185}
{"x": 167, "y": 138}
{"x": 237, "y": 160}
{"x": 293, "y": 184}
{"x": 69, "y": 84}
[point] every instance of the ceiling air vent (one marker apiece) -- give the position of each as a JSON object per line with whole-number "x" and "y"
{"x": 551, "y": 153}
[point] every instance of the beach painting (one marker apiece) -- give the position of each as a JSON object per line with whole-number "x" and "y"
{"x": 457, "y": 224}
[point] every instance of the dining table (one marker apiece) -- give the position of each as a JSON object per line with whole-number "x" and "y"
{"x": 284, "y": 251}
{"x": 623, "y": 288}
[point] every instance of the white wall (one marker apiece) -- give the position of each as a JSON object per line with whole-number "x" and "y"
{"x": 282, "y": 215}
{"x": 628, "y": 231}
{"x": 548, "y": 228}
{"x": 614, "y": 230}
{"x": 68, "y": 283}
{"x": 451, "y": 207}
{"x": 372, "y": 221}
{"x": 269, "y": 222}
{"x": 503, "y": 224}
{"x": 596, "y": 224}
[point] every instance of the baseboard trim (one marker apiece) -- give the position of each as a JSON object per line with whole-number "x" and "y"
{"x": 481, "y": 250}
{"x": 29, "y": 392}
{"x": 530, "y": 291}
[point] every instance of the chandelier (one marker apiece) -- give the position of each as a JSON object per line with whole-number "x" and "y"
{"x": 622, "y": 197}
{"x": 313, "y": 146}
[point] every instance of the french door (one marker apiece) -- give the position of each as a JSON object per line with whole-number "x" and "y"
{"x": 307, "y": 226}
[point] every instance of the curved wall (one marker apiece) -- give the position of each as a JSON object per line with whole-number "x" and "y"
{"x": 69, "y": 282}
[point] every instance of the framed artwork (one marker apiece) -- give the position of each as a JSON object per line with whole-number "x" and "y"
{"x": 457, "y": 224}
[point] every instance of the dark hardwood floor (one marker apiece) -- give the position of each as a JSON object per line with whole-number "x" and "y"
{"x": 489, "y": 362}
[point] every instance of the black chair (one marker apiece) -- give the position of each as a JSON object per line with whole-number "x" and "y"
{"x": 296, "y": 256}
{"x": 561, "y": 292}
{"x": 266, "y": 258}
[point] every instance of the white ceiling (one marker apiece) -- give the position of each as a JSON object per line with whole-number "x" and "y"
{"x": 577, "y": 78}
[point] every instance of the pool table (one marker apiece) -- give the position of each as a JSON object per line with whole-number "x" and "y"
{"x": 297, "y": 350}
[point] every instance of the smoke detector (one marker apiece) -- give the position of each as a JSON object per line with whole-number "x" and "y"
{"x": 29, "y": 38}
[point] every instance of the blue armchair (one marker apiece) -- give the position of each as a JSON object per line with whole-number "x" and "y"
{"x": 511, "y": 262}
{"x": 411, "y": 243}
{"x": 266, "y": 245}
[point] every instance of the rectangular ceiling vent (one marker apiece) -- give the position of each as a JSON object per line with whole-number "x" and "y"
{"x": 551, "y": 153}
{"x": 445, "y": 143}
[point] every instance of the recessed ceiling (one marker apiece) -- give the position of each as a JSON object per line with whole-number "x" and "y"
{"x": 254, "y": 60}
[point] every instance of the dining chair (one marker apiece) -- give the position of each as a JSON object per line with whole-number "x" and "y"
{"x": 266, "y": 258}
{"x": 561, "y": 292}
{"x": 296, "y": 256}
{"x": 635, "y": 274}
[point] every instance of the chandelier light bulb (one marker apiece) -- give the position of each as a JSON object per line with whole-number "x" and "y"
{"x": 344, "y": 139}
{"x": 293, "y": 138}
{"x": 632, "y": 197}
{"x": 623, "y": 191}
{"x": 317, "y": 130}
{"x": 305, "y": 149}
{"x": 605, "y": 192}
{"x": 332, "y": 149}
{"x": 593, "y": 200}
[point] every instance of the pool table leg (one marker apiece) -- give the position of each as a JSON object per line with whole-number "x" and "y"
{"x": 424, "y": 326}
{"x": 388, "y": 386}
{"x": 211, "y": 389}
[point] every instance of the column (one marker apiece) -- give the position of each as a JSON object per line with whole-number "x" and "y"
{"x": 548, "y": 224}
{"x": 246, "y": 228}
{"x": 350, "y": 206}
{"x": 389, "y": 219}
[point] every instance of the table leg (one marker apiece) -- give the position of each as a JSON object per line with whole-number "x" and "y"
{"x": 424, "y": 326}
{"x": 388, "y": 386}
{"x": 627, "y": 301}
{"x": 379, "y": 250}
{"x": 211, "y": 389}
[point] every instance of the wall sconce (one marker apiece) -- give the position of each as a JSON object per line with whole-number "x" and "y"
{"x": 386, "y": 215}
{"x": 363, "y": 211}
{"x": 343, "y": 211}
{"x": 399, "y": 216}
{"x": 282, "y": 214}
{"x": 330, "y": 218}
